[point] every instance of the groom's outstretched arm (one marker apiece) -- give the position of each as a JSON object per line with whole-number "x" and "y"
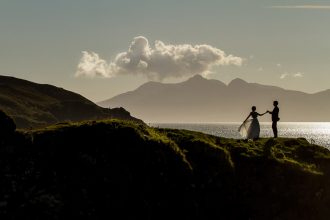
{"x": 262, "y": 113}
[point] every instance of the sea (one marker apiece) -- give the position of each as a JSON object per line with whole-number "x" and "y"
{"x": 314, "y": 132}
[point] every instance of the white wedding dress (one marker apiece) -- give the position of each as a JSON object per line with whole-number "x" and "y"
{"x": 250, "y": 129}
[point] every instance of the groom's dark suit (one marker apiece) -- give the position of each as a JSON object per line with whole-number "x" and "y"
{"x": 275, "y": 119}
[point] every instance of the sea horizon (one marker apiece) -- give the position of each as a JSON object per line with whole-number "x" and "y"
{"x": 314, "y": 132}
{"x": 234, "y": 122}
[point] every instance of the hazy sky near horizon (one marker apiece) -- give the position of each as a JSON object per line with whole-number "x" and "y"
{"x": 283, "y": 43}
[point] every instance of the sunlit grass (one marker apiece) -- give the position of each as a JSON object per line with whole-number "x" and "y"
{"x": 165, "y": 168}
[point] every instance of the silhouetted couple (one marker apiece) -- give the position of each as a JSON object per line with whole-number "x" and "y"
{"x": 250, "y": 129}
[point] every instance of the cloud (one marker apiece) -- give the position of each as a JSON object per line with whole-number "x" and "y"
{"x": 298, "y": 75}
{"x": 301, "y": 7}
{"x": 283, "y": 76}
{"x": 92, "y": 65}
{"x": 294, "y": 75}
{"x": 158, "y": 62}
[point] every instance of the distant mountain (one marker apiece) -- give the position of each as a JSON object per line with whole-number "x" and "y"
{"x": 33, "y": 105}
{"x": 202, "y": 100}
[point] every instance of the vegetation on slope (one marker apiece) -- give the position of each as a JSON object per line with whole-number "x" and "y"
{"x": 34, "y": 105}
{"x": 125, "y": 170}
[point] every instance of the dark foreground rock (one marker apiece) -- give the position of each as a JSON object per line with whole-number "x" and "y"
{"x": 7, "y": 125}
{"x": 122, "y": 170}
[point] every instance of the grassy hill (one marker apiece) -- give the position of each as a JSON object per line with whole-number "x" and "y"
{"x": 34, "y": 105}
{"x": 122, "y": 170}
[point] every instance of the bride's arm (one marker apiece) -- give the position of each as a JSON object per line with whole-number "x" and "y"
{"x": 247, "y": 117}
{"x": 262, "y": 114}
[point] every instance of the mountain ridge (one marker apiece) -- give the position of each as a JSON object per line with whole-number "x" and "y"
{"x": 202, "y": 100}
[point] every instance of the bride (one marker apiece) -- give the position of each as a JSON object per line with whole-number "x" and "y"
{"x": 250, "y": 129}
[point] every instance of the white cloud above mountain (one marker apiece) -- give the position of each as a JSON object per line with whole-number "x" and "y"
{"x": 293, "y": 75}
{"x": 157, "y": 62}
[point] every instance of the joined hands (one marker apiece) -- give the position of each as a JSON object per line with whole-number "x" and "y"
{"x": 266, "y": 112}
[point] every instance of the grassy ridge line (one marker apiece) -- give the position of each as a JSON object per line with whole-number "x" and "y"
{"x": 294, "y": 152}
{"x": 147, "y": 134}
{"x": 126, "y": 169}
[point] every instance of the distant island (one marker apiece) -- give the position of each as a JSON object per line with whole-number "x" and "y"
{"x": 203, "y": 100}
{"x": 36, "y": 105}
{"x": 127, "y": 170}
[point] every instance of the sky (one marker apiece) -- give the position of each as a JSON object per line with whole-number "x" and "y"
{"x": 102, "y": 48}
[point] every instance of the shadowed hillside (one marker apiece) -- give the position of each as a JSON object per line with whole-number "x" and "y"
{"x": 34, "y": 105}
{"x": 202, "y": 100}
{"x": 123, "y": 170}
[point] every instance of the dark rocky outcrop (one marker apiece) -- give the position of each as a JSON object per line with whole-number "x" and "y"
{"x": 7, "y": 125}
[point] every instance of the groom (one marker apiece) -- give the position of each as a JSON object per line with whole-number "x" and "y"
{"x": 275, "y": 117}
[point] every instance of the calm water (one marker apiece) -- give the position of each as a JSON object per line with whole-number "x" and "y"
{"x": 318, "y": 132}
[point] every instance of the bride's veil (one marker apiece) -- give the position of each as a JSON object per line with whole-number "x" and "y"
{"x": 243, "y": 129}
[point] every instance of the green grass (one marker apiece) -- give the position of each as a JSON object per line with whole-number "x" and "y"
{"x": 127, "y": 169}
{"x": 34, "y": 105}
